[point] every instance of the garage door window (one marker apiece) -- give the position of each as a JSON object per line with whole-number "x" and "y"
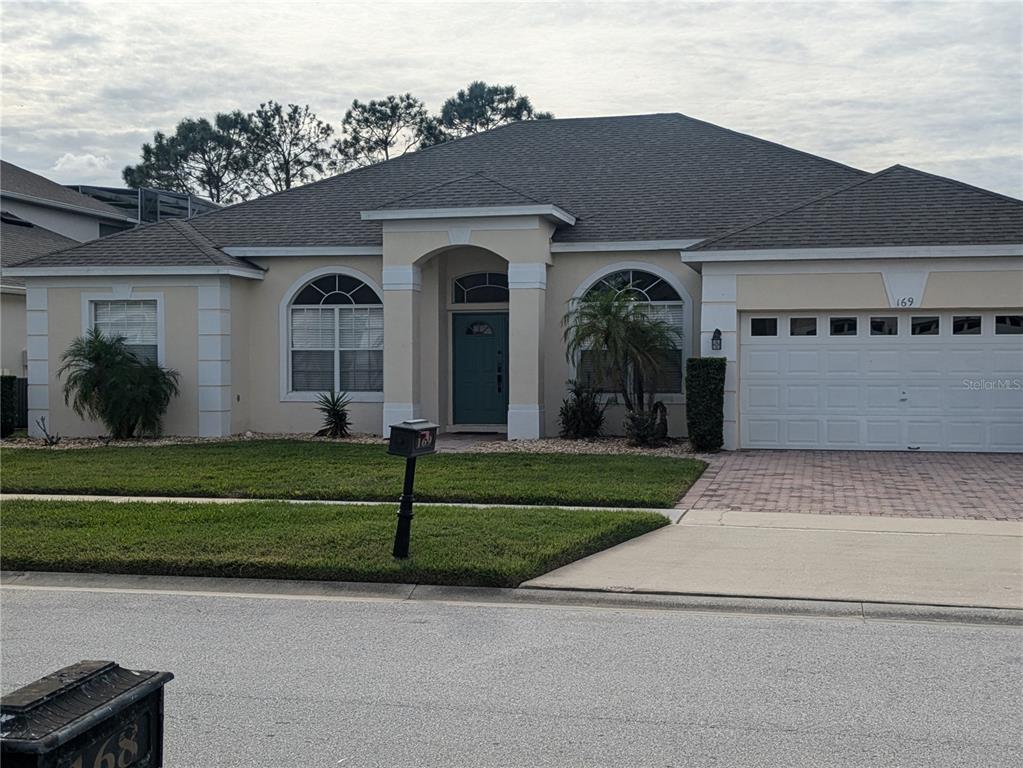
{"x": 966, "y": 325}
{"x": 803, "y": 326}
{"x": 884, "y": 326}
{"x": 763, "y": 326}
{"x": 1008, "y": 324}
{"x": 843, "y": 326}
{"x": 928, "y": 325}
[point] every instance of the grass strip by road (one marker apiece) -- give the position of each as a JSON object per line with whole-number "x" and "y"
{"x": 490, "y": 547}
{"x": 288, "y": 469}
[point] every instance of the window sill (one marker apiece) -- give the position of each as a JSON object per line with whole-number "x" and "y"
{"x": 311, "y": 397}
{"x": 667, "y": 399}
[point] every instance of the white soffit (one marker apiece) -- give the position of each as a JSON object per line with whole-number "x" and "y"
{"x": 881, "y": 252}
{"x": 398, "y": 214}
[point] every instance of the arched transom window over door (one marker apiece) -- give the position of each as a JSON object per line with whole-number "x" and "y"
{"x": 336, "y": 337}
{"x": 663, "y": 302}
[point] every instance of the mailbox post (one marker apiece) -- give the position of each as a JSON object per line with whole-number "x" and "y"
{"x": 411, "y": 439}
{"x": 93, "y": 713}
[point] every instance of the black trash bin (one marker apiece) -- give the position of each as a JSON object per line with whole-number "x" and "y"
{"x": 93, "y": 714}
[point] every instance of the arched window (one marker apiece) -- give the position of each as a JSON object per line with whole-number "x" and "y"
{"x": 481, "y": 288}
{"x": 663, "y": 302}
{"x": 336, "y": 337}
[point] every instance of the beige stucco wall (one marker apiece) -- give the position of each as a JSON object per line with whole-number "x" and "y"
{"x": 572, "y": 272}
{"x": 64, "y": 310}
{"x": 811, "y": 291}
{"x": 994, "y": 289}
{"x": 12, "y": 336}
{"x": 77, "y": 226}
{"x": 256, "y": 348}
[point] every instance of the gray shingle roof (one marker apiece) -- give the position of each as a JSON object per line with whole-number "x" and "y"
{"x": 644, "y": 177}
{"x": 21, "y": 240}
{"x": 473, "y": 190}
{"x": 169, "y": 243}
{"x": 20, "y": 181}
{"x": 896, "y": 207}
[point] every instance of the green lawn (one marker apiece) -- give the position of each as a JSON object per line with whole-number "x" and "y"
{"x": 261, "y": 539}
{"x": 288, "y": 469}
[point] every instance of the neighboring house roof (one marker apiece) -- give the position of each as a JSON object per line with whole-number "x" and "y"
{"x": 18, "y": 183}
{"x": 21, "y": 240}
{"x": 473, "y": 190}
{"x": 897, "y": 207}
{"x": 170, "y": 243}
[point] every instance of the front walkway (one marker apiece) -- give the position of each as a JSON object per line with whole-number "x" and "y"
{"x": 971, "y": 486}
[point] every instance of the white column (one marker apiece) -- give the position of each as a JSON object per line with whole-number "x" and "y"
{"x": 214, "y": 323}
{"x": 37, "y": 353}
{"x": 718, "y": 312}
{"x": 527, "y": 295}
{"x": 402, "y": 285}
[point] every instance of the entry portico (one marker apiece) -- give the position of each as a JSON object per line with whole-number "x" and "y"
{"x": 424, "y": 250}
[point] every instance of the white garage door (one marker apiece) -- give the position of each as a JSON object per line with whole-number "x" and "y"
{"x": 941, "y": 381}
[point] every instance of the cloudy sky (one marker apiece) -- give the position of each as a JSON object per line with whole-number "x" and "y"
{"x": 934, "y": 85}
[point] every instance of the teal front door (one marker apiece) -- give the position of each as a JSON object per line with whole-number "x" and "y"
{"x": 480, "y": 368}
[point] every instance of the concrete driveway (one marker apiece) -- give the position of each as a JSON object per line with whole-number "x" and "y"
{"x": 968, "y": 486}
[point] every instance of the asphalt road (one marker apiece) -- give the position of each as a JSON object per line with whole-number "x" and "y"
{"x": 296, "y": 682}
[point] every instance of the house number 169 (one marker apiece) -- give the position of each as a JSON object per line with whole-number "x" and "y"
{"x": 904, "y": 301}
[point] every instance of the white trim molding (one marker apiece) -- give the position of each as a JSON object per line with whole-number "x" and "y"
{"x": 124, "y": 292}
{"x": 804, "y": 254}
{"x": 398, "y": 412}
{"x": 131, "y": 271}
{"x": 549, "y": 211}
{"x": 402, "y": 278}
{"x": 624, "y": 245}
{"x": 284, "y": 365}
{"x": 531, "y": 274}
{"x": 525, "y": 421}
{"x": 214, "y": 359}
{"x": 37, "y": 354}
{"x": 245, "y": 251}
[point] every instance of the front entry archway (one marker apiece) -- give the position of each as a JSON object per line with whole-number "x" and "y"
{"x": 479, "y": 368}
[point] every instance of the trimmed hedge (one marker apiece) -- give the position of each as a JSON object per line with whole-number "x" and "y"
{"x": 8, "y": 404}
{"x": 705, "y": 402}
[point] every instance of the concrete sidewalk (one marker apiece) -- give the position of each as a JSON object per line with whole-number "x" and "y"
{"x": 781, "y": 555}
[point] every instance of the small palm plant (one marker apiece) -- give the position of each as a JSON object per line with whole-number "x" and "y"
{"x": 105, "y": 381}
{"x": 334, "y": 407}
{"x": 627, "y": 347}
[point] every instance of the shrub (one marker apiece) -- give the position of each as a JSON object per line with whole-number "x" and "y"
{"x": 705, "y": 402}
{"x": 8, "y": 404}
{"x": 334, "y": 407}
{"x": 582, "y": 413}
{"x": 647, "y": 428}
{"x": 107, "y": 382}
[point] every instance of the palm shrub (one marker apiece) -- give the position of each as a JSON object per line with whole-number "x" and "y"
{"x": 105, "y": 381}
{"x": 334, "y": 407}
{"x": 628, "y": 348}
{"x": 582, "y": 412}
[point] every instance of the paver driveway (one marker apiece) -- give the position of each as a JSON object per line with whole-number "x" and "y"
{"x": 974, "y": 486}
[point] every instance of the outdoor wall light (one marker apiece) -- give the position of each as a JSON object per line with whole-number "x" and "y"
{"x": 715, "y": 340}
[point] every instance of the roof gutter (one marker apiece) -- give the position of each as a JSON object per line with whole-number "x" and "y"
{"x": 397, "y": 214}
{"x": 132, "y": 271}
{"x": 873, "y": 252}
{"x": 66, "y": 207}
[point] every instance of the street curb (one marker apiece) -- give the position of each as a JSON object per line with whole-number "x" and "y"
{"x": 522, "y": 596}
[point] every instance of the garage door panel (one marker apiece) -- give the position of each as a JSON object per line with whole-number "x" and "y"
{"x": 891, "y": 392}
{"x": 840, "y": 362}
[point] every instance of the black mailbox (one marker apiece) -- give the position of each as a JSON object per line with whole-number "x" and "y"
{"x": 93, "y": 713}
{"x": 415, "y": 437}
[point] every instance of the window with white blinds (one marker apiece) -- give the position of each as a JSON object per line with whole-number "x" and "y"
{"x": 133, "y": 320}
{"x": 338, "y": 344}
{"x": 662, "y": 302}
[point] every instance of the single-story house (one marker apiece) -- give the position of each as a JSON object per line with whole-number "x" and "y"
{"x": 856, "y": 310}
